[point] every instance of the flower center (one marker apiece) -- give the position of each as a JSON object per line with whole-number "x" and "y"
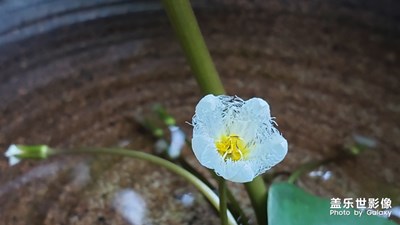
{"x": 231, "y": 147}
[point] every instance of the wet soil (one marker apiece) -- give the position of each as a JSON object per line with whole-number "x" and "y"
{"x": 327, "y": 74}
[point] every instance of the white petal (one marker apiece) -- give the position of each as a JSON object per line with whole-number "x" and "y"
{"x": 251, "y": 118}
{"x": 246, "y": 130}
{"x": 257, "y": 109}
{"x": 239, "y": 171}
{"x": 246, "y": 174}
{"x": 210, "y": 157}
{"x": 268, "y": 153}
{"x": 204, "y": 150}
{"x": 220, "y": 167}
{"x": 224, "y": 168}
{"x": 208, "y": 117}
{"x": 12, "y": 150}
{"x": 278, "y": 149}
{"x": 12, "y": 160}
{"x": 199, "y": 144}
{"x": 232, "y": 169}
{"x": 177, "y": 141}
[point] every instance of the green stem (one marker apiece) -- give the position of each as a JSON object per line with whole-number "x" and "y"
{"x": 222, "y": 197}
{"x": 203, "y": 188}
{"x": 187, "y": 30}
{"x": 258, "y": 196}
{"x": 234, "y": 205}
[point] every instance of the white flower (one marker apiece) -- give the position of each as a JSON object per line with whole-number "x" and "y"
{"x": 177, "y": 142}
{"x": 236, "y": 138}
{"x": 12, "y": 152}
{"x": 17, "y": 152}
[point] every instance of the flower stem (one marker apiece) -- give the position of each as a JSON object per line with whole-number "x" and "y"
{"x": 187, "y": 30}
{"x": 222, "y": 196}
{"x": 258, "y": 195}
{"x": 182, "y": 18}
{"x": 203, "y": 188}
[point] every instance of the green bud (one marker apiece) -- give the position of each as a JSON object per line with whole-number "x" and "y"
{"x": 17, "y": 152}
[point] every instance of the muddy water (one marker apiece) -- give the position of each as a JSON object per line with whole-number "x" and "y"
{"x": 328, "y": 72}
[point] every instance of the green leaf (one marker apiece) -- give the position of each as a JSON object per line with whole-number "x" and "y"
{"x": 288, "y": 205}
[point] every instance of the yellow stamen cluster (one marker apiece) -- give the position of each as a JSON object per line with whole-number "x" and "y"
{"x": 231, "y": 147}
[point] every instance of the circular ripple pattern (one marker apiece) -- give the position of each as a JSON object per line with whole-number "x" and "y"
{"x": 80, "y": 84}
